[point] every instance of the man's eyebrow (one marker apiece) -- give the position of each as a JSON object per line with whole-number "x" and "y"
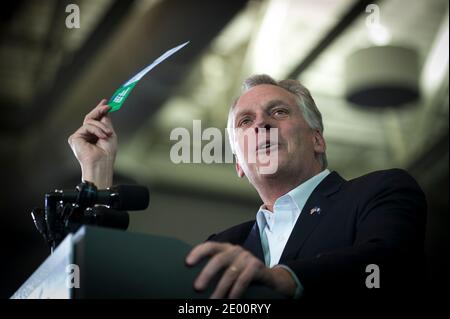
{"x": 267, "y": 107}
{"x": 242, "y": 113}
{"x": 273, "y": 103}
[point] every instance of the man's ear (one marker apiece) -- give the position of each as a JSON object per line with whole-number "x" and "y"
{"x": 239, "y": 170}
{"x": 319, "y": 142}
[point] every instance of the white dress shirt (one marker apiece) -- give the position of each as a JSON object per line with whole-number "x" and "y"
{"x": 276, "y": 227}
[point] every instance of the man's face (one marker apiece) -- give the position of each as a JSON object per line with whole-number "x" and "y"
{"x": 268, "y": 106}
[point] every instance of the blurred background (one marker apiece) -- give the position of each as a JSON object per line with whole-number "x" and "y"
{"x": 378, "y": 71}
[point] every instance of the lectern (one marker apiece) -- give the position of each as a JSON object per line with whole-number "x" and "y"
{"x": 99, "y": 262}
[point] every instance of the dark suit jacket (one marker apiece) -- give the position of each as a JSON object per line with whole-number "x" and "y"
{"x": 378, "y": 218}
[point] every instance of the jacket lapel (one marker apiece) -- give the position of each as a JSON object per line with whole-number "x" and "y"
{"x": 253, "y": 242}
{"x": 316, "y": 207}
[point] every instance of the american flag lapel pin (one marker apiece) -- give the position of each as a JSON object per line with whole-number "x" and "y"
{"x": 315, "y": 210}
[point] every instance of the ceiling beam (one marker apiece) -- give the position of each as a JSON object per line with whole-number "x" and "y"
{"x": 347, "y": 19}
{"x": 67, "y": 74}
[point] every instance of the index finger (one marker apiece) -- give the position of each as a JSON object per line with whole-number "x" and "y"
{"x": 106, "y": 120}
{"x": 203, "y": 250}
{"x": 99, "y": 111}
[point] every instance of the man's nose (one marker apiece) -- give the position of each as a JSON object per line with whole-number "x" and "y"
{"x": 266, "y": 126}
{"x": 262, "y": 123}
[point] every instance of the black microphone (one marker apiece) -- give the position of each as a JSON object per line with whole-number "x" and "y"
{"x": 103, "y": 216}
{"x": 120, "y": 197}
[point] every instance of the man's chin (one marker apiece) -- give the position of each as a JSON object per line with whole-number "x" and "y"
{"x": 270, "y": 170}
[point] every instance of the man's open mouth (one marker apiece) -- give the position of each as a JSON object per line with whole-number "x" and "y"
{"x": 266, "y": 146}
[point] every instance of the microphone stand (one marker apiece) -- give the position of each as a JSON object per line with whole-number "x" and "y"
{"x": 59, "y": 218}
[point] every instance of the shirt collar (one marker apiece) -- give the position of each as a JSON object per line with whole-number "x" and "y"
{"x": 301, "y": 193}
{"x": 288, "y": 207}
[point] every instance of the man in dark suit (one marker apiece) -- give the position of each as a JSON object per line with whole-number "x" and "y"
{"x": 315, "y": 233}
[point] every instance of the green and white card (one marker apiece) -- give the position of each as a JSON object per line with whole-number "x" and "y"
{"x": 122, "y": 93}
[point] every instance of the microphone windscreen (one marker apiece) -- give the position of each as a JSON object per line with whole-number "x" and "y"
{"x": 132, "y": 197}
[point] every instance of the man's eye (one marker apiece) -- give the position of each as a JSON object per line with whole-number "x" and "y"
{"x": 244, "y": 122}
{"x": 280, "y": 112}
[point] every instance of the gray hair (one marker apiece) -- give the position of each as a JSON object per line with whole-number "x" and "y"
{"x": 308, "y": 107}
